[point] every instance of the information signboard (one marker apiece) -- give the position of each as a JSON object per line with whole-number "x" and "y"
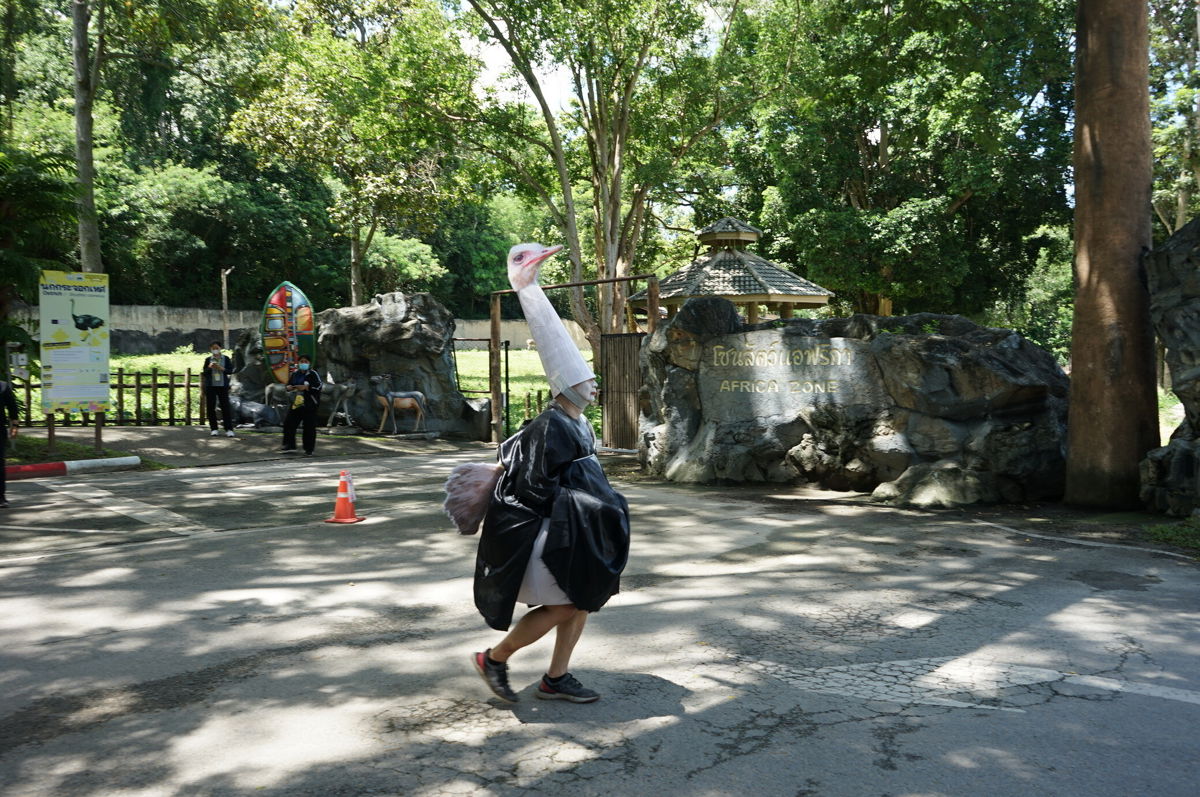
{"x": 74, "y": 341}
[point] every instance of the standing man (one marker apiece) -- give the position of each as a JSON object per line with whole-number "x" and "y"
{"x": 217, "y": 368}
{"x": 555, "y": 533}
{"x": 304, "y": 386}
{"x": 10, "y": 414}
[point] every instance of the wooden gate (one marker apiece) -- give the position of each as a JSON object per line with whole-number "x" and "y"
{"x": 620, "y": 381}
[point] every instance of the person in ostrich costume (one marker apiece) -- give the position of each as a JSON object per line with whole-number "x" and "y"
{"x": 555, "y": 534}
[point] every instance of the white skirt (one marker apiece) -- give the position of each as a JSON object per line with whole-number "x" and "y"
{"x": 539, "y": 588}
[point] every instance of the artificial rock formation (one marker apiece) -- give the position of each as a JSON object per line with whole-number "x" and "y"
{"x": 923, "y": 410}
{"x": 1170, "y": 476}
{"x": 395, "y": 342}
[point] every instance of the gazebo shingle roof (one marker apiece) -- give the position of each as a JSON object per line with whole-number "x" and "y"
{"x": 732, "y": 273}
{"x": 729, "y": 224}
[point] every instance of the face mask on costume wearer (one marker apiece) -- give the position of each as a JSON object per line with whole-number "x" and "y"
{"x": 302, "y": 366}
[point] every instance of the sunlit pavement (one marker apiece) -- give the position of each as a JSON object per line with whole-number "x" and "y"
{"x": 203, "y": 631}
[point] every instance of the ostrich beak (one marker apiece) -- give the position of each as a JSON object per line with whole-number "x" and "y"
{"x": 545, "y": 253}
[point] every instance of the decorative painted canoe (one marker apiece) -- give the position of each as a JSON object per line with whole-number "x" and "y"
{"x": 288, "y": 330}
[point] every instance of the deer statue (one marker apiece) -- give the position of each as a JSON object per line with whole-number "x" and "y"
{"x": 276, "y": 397}
{"x": 340, "y": 395}
{"x": 393, "y": 401}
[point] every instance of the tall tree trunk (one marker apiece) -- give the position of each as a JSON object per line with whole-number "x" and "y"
{"x": 8, "y": 79}
{"x": 1112, "y": 422}
{"x": 86, "y": 74}
{"x": 356, "y": 256}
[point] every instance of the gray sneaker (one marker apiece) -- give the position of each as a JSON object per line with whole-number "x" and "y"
{"x": 495, "y": 675}
{"x": 566, "y": 687}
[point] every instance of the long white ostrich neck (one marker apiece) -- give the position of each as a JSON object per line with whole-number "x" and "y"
{"x": 561, "y": 360}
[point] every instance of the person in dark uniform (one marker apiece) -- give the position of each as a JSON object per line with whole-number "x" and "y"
{"x": 10, "y": 414}
{"x": 304, "y": 386}
{"x": 216, "y": 371}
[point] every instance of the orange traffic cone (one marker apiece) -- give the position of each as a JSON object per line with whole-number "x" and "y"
{"x": 343, "y": 510}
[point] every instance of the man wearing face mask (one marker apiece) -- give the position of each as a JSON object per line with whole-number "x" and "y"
{"x": 555, "y": 535}
{"x": 304, "y": 389}
{"x": 216, "y": 371}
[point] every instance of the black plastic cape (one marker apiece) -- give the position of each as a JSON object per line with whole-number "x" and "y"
{"x": 551, "y": 470}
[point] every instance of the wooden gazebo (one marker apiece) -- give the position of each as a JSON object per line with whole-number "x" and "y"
{"x": 729, "y": 271}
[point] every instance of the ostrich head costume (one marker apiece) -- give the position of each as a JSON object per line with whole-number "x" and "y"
{"x": 565, "y": 368}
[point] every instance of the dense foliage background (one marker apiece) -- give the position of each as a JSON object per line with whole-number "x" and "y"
{"x": 909, "y": 156}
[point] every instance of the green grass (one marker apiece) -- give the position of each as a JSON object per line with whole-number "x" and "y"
{"x": 1184, "y": 534}
{"x": 33, "y": 448}
{"x": 525, "y": 379}
{"x": 1170, "y": 414}
{"x": 178, "y": 361}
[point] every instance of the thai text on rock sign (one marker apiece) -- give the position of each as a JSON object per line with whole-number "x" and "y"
{"x": 820, "y": 354}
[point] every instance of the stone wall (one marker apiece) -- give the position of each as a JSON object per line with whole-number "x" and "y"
{"x": 924, "y": 410}
{"x": 154, "y": 329}
{"x": 1170, "y": 476}
{"x": 515, "y": 332}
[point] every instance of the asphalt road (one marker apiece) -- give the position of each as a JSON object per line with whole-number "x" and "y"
{"x": 201, "y": 631}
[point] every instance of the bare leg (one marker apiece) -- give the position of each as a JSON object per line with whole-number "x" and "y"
{"x": 564, "y": 643}
{"x": 532, "y": 627}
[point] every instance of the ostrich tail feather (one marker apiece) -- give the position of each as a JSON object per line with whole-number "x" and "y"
{"x": 468, "y": 492}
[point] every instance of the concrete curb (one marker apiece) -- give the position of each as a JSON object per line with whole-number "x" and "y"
{"x": 69, "y": 467}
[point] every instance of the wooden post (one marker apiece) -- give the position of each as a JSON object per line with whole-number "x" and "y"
{"x": 752, "y": 313}
{"x": 99, "y": 441}
{"x": 120, "y": 397}
{"x": 171, "y": 398}
{"x": 225, "y": 306}
{"x": 137, "y": 399}
{"x": 651, "y": 306}
{"x": 187, "y": 398}
{"x": 785, "y": 310}
{"x": 154, "y": 396}
{"x": 203, "y": 405}
{"x": 49, "y": 432}
{"x": 28, "y": 403}
{"x": 494, "y": 371}
{"x": 527, "y": 414}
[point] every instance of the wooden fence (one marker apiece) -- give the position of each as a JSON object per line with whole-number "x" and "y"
{"x": 171, "y": 398}
{"x": 158, "y": 398}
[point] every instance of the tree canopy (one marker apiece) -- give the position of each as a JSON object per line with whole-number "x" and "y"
{"x": 911, "y": 155}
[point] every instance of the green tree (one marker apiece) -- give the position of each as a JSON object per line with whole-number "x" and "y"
{"x": 346, "y": 96}
{"x": 36, "y": 207}
{"x": 918, "y": 148}
{"x": 472, "y": 240}
{"x": 650, "y": 80}
{"x": 159, "y": 34}
{"x": 18, "y": 18}
{"x": 1175, "y": 111}
{"x": 1041, "y": 309}
{"x": 400, "y": 264}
